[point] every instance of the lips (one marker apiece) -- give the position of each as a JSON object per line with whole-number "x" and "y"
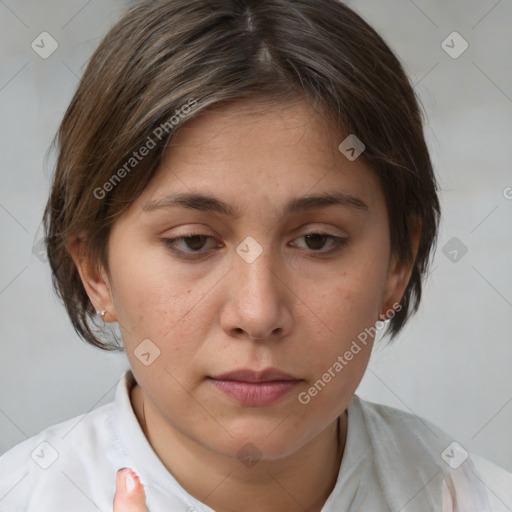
{"x": 246, "y": 375}
{"x": 255, "y": 388}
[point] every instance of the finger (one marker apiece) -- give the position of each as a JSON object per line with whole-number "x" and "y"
{"x": 130, "y": 495}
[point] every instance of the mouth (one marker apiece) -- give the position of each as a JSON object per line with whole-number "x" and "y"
{"x": 255, "y": 388}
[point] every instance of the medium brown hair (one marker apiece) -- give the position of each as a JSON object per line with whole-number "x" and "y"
{"x": 164, "y": 54}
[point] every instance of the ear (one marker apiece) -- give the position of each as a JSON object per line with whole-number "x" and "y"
{"x": 399, "y": 273}
{"x": 94, "y": 278}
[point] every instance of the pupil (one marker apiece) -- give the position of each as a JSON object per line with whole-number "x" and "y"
{"x": 318, "y": 241}
{"x": 192, "y": 241}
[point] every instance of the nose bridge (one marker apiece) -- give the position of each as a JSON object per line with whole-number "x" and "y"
{"x": 255, "y": 271}
{"x": 258, "y": 306}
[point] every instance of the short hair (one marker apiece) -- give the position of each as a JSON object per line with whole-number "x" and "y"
{"x": 163, "y": 57}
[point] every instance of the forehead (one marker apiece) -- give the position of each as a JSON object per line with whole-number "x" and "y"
{"x": 243, "y": 126}
{"x": 257, "y": 151}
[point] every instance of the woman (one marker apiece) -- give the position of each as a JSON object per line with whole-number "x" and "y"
{"x": 245, "y": 189}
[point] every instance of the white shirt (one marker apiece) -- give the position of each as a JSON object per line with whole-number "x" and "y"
{"x": 393, "y": 461}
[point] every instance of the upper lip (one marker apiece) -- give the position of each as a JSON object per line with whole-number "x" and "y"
{"x": 247, "y": 375}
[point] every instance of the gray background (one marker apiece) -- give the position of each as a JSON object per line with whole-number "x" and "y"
{"x": 451, "y": 365}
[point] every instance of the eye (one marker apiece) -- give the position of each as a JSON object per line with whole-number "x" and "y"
{"x": 193, "y": 242}
{"x": 193, "y": 246}
{"x": 317, "y": 241}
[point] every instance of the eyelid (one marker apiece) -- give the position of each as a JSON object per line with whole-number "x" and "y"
{"x": 186, "y": 255}
{"x": 338, "y": 242}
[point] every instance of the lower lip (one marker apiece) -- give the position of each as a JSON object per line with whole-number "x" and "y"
{"x": 255, "y": 394}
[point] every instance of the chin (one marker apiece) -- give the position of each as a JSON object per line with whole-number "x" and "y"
{"x": 269, "y": 440}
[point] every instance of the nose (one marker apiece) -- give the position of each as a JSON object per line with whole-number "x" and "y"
{"x": 259, "y": 301}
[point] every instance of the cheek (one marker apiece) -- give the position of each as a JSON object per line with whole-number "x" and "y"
{"x": 353, "y": 303}
{"x": 149, "y": 298}
{"x": 349, "y": 311}
{"x": 157, "y": 301}
{"x": 338, "y": 360}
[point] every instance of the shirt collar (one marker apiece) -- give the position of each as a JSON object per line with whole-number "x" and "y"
{"x": 145, "y": 462}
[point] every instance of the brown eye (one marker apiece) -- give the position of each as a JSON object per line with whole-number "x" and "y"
{"x": 316, "y": 241}
{"x": 191, "y": 246}
{"x": 195, "y": 242}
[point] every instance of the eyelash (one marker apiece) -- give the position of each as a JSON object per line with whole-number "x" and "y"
{"x": 339, "y": 243}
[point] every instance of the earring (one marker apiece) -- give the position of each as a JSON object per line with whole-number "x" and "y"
{"x": 102, "y": 313}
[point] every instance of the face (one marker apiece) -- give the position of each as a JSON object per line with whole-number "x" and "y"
{"x": 258, "y": 246}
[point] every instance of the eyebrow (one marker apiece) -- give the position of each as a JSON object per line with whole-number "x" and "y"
{"x": 206, "y": 203}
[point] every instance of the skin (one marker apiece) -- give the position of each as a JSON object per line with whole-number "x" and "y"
{"x": 129, "y": 499}
{"x": 296, "y": 307}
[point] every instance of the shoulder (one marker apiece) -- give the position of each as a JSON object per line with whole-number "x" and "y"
{"x": 61, "y": 435}
{"x": 497, "y": 480}
{"x": 402, "y": 441}
{"x": 56, "y": 459}
{"x": 394, "y": 418}
{"x": 405, "y": 430}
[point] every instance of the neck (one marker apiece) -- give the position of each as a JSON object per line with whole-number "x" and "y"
{"x": 301, "y": 481}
